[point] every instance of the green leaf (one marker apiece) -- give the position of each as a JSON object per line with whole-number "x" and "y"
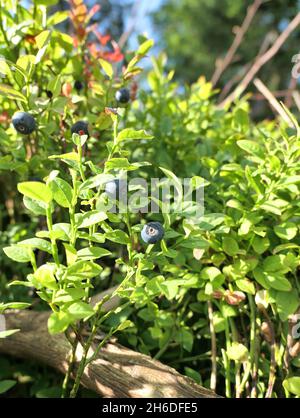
{"x": 287, "y": 303}
{"x": 54, "y": 85}
{"x": 5, "y": 334}
{"x": 246, "y": 286}
{"x": 80, "y": 310}
{"x": 271, "y": 207}
{"x": 292, "y": 385}
{"x": 68, "y": 295}
{"x": 275, "y": 263}
{"x": 260, "y": 245}
{"x": 35, "y": 206}
{"x": 57, "y": 18}
{"x": 53, "y": 392}
{"x": 6, "y": 385}
{"x": 130, "y": 133}
{"x": 90, "y": 218}
{"x": 4, "y": 67}
{"x": 44, "y": 276}
{"x": 117, "y": 163}
{"x": 176, "y": 182}
{"x": 230, "y": 246}
{"x": 16, "y": 305}
{"x": 185, "y": 338}
{"x": 96, "y": 181}
{"x": 168, "y": 252}
{"x": 71, "y": 253}
{"x": 238, "y": 352}
{"x": 19, "y": 283}
{"x": 11, "y": 93}
{"x": 38, "y": 243}
{"x": 283, "y": 247}
{"x": 145, "y": 47}
{"x": 118, "y": 236}
{"x": 92, "y": 253}
{"x": 107, "y": 67}
{"x": 36, "y": 190}
{"x": 272, "y": 280}
{"x": 46, "y": 2}
{"x": 286, "y": 230}
{"x": 62, "y": 192}
{"x": 169, "y": 288}
{"x": 124, "y": 325}
{"x": 82, "y": 270}
{"x": 210, "y": 273}
{"x": 251, "y": 147}
{"x": 26, "y": 62}
{"x": 59, "y": 322}
{"x": 18, "y": 253}
{"x": 42, "y": 40}
{"x": 228, "y": 310}
{"x": 72, "y": 156}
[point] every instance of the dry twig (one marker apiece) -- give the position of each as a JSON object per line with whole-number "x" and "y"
{"x": 240, "y": 33}
{"x": 262, "y": 60}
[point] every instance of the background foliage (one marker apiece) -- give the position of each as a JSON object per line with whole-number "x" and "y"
{"x": 202, "y": 32}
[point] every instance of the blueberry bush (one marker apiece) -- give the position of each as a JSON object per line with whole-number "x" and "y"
{"x": 216, "y": 296}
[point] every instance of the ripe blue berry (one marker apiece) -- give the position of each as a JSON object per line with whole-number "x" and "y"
{"x": 78, "y": 85}
{"x": 23, "y": 123}
{"x": 49, "y": 94}
{"x": 115, "y": 189}
{"x": 122, "y": 96}
{"x": 80, "y": 128}
{"x": 152, "y": 232}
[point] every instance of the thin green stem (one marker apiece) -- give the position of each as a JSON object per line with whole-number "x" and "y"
{"x": 71, "y": 362}
{"x": 53, "y": 241}
{"x": 252, "y": 335}
{"x": 227, "y": 361}
{"x": 213, "y": 375}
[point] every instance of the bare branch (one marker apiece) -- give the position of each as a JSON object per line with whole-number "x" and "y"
{"x": 296, "y": 97}
{"x": 262, "y": 60}
{"x": 240, "y": 33}
{"x": 271, "y": 99}
{"x": 269, "y": 38}
{"x": 134, "y": 16}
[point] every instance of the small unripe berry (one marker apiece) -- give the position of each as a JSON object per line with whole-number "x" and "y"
{"x": 23, "y": 123}
{"x": 152, "y": 232}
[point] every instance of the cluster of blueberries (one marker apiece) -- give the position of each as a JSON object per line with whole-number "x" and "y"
{"x": 25, "y": 124}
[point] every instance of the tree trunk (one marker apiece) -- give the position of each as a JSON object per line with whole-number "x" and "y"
{"x": 118, "y": 372}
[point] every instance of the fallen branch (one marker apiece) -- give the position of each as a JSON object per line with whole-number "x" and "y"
{"x": 117, "y": 372}
{"x": 261, "y": 61}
